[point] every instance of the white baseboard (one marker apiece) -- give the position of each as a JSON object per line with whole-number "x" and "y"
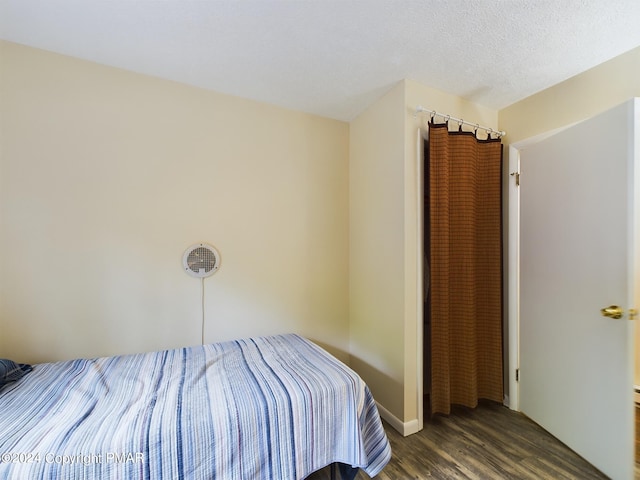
{"x": 404, "y": 428}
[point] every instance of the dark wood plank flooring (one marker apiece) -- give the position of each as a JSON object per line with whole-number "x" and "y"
{"x": 489, "y": 442}
{"x": 637, "y": 471}
{"x": 637, "y": 437}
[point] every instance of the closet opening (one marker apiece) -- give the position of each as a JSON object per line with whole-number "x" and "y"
{"x": 462, "y": 270}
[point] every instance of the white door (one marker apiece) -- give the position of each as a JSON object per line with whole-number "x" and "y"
{"x": 578, "y": 254}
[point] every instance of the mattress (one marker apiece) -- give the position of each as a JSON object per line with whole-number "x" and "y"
{"x": 276, "y": 407}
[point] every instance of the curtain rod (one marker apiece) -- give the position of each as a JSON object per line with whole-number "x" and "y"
{"x": 433, "y": 113}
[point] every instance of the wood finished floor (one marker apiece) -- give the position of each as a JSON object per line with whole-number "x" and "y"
{"x": 637, "y": 475}
{"x": 490, "y": 442}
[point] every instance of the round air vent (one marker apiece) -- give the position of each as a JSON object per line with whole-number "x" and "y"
{"x": 201, "y": 260}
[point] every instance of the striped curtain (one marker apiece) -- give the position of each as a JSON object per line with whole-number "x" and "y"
{"x": 464, "y": 223}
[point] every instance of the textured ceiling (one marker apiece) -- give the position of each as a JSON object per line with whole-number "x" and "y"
{"x": 334, "y": 58}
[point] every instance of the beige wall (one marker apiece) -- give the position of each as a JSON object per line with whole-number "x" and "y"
{"x": 106, "y": 176}
{"x": 576, "y": 99}
{"x": 377, "y": 248}
{"x": 385, "y": 251}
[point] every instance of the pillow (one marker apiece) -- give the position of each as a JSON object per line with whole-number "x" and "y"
{"x": 11, "y": 371}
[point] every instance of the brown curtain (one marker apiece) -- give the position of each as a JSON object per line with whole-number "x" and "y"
{"x": 465, "y": 263}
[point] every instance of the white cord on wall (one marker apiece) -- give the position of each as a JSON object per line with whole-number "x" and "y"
{"x": 202, "y": 306}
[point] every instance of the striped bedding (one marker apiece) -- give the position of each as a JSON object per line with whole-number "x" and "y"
{"x": 274, "y": 407}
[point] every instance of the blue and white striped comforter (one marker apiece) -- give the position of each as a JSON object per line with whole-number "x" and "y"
{"x": 264, "y": 408}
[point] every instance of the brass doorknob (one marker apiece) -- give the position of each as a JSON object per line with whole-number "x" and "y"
{"x": 612, "y": 311}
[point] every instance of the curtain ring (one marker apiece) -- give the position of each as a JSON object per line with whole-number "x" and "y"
{"x": 460, "y": 123}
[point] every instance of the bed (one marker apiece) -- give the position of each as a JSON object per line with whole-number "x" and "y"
{"x": 276, "y": 407}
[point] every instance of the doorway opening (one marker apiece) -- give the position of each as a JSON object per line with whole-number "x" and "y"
{"x": 462, "y": 270}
